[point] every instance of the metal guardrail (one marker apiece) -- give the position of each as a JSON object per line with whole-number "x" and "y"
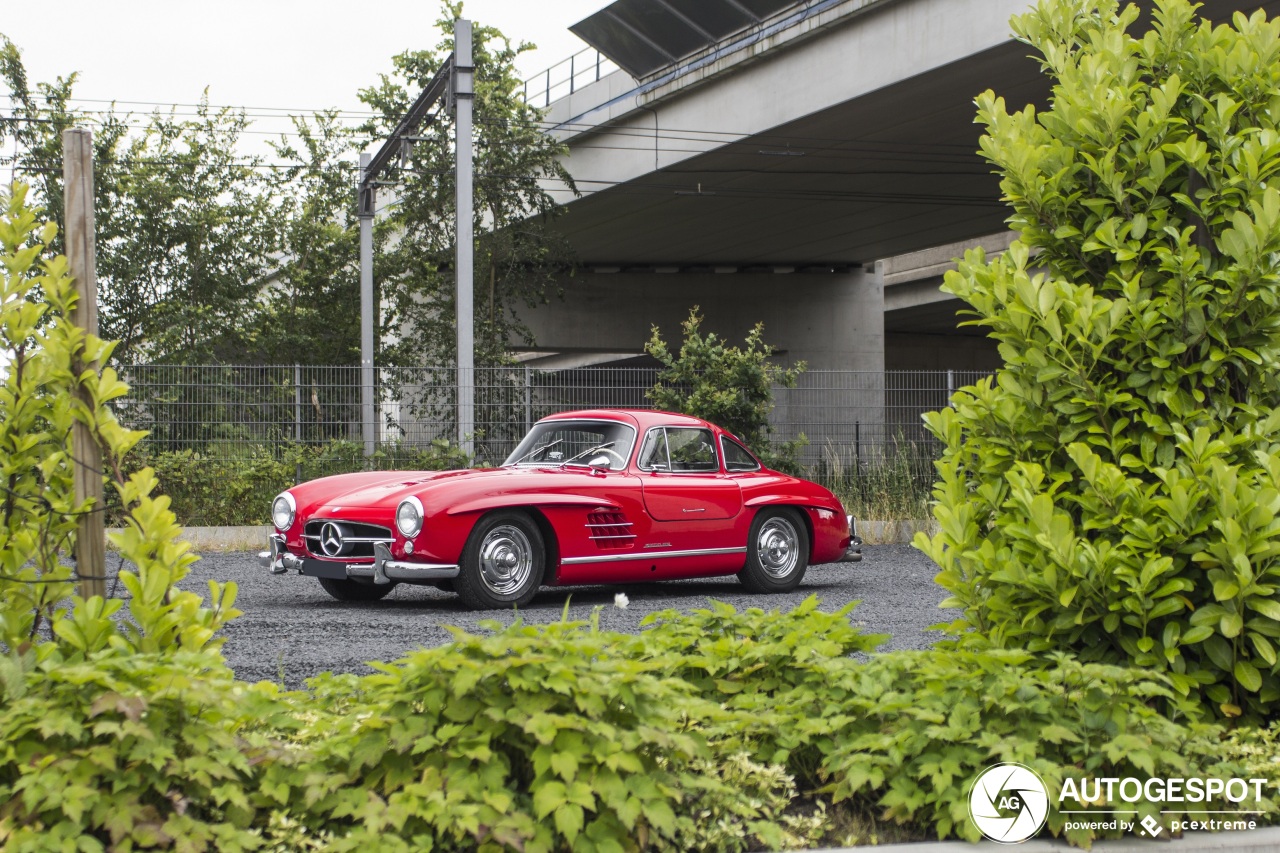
{"x": 567, "y": 76}
{"x": 227, "y": 411}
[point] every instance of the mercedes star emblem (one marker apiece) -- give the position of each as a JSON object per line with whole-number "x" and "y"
{"x": 331, "y": 539}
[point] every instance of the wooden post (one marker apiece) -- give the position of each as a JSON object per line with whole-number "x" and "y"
{"x": 77, "y": 174}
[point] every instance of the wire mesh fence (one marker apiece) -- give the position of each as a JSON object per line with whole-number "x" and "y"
{"x": 850, "y": 418}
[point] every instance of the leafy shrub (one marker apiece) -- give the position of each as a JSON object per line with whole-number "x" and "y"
{"x": 122, "y": 750}
{"x": 536, "y": 738}
{"x": 222, "y": 489}
{"x": 915, "y": 728}
{"x": 1114, "y": 491}
{"x": 730, "y": 386}
{"x": 747, "y": 662}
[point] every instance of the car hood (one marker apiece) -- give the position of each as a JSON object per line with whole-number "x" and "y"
{"x": 384, "y": 490}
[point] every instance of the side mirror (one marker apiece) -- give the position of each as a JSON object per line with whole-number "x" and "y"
{"x": 600, "y": 463}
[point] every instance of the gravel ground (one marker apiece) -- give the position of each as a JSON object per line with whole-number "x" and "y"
{"x": 292, "y": 627}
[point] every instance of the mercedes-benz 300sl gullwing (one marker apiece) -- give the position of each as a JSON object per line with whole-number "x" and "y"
{"x": 590, "y": 497}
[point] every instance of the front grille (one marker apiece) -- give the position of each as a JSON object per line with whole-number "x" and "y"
{"x": 357, "y": 538}
{"x": 609, "y": 529}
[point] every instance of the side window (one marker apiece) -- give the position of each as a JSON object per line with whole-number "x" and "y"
{"x": 692, "y": 449}
{"x": 736, "y": 457}
{"x": 653, "y": 456}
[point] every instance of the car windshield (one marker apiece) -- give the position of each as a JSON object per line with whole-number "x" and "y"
{"x": 557, "y": 443}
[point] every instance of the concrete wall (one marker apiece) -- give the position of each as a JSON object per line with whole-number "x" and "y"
{"x": 832, "y": 321}
{"x": 904, "y": 351}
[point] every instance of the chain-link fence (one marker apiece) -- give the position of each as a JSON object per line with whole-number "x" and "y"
{"x": 224, "y": 439}
{"x": 851, "y": 419}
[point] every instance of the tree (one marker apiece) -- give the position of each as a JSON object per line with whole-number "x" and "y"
{"x": 1114, "y": 490}
{"x": 730, "y": 386}
{"x": 518, "y": 257}
{"x": 185, "y": 222}
{"x": 310, "y": 303}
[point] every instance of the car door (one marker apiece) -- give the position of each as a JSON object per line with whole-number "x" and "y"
{"x": 682, "y": 482}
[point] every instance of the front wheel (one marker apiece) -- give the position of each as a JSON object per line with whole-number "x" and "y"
{"x": 502, "y": 563}
{"x": 777, "y": 552}
{"x": 348, "y": 590}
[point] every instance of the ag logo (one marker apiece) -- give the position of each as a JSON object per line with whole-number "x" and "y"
{"x": 1008, "y": 803}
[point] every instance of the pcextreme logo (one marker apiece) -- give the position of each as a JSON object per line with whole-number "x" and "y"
{"x": 1008, "y": 803}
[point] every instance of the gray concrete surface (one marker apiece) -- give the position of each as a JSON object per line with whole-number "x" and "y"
{"x": 1266, "y": 840}
{"x": 291, "y": 629}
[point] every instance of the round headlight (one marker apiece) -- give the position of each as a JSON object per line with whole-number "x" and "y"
{"x": 282, "y": 510}
{"x": 409, "y": 517}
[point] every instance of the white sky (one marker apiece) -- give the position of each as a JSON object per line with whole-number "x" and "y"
{"x": 294, "y": 55}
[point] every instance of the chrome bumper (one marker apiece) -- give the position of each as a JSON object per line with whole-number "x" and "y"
{"x": 852, "y": 554}
{"x": 382, "y": 570}
{"x": 277, "y": 557}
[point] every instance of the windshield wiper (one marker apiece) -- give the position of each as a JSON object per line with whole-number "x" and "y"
{"x": 589, "y": 450}
{"x": 539, "y": 450}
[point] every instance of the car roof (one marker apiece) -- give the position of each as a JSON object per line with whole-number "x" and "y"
{"x": 642, "y": 418}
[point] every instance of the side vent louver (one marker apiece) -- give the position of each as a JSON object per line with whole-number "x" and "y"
{"x": 609, "y": 530}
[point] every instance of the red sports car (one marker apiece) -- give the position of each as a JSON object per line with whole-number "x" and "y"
{"x": 591, "y": 497}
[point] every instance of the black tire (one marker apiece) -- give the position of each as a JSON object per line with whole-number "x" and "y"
{"x": 777, "y": 552}
{"x": 347, "y": 590}
{"x": 502, "y": 563}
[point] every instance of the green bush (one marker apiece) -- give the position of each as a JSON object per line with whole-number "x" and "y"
{"x": 730, "y": 386}
{"x": 747, "y": 662}
{"x": 911, "y": 731}
{"x": 237, "y": 488}
{"x": 125, "y": 750}
{"x": 114, "y": 728}
{"x": 534, "y": 738}
{"x": 1114, "y": 492}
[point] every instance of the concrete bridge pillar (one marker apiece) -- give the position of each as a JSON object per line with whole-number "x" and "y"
{"x": 832, "y": 321}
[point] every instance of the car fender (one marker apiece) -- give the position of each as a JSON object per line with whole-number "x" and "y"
{"x": 780, "y": 499}
{"x": 515, "y": 500}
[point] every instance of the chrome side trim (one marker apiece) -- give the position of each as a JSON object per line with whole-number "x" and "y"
{"x": 614, "y": 536}
{"x": 615, "y": 524}
{"x": 650, "y": 555}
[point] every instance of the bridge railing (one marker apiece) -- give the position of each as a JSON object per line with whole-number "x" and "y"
{"x": 567, "y": 76}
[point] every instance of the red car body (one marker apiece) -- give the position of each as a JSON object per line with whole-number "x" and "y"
{"x": 626, "y": 515}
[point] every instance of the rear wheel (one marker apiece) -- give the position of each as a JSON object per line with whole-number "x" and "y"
{"x": 502, "y": 563}
{"x": 348, "y": 590}
{"x": 777, "y": 552}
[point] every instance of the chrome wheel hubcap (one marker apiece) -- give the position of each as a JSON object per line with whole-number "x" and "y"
{"x": 506, "y": 559}
{"x": 777, "y": 547}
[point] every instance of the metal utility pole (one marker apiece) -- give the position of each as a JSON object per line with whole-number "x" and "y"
{"x": 366, "y": 190}
{"x": 463, "y": 94}
{"x": 367, "y": 201}
{"x": 77, "y": 176}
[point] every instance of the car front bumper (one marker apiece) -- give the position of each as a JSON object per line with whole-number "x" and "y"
{"x": 852, "y": 554}
{"x": 383, "y": 569}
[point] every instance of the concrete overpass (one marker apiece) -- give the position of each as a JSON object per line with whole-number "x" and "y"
{"x": 815, "y": 171}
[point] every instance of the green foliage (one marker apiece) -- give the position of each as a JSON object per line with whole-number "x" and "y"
{"x": 730, "y": 386}
{"x": 184, "y": 222}
{"x": 1114, "y": 491}
{"x": 518, "y": 256}
{"x": 124, "y": 733}
{"x": 892, "y": 485}
{"x": 747, "y": 661}
{"x": 126, "y": 750}
{"x": 237, "y": 488}
{"x": 113, "y": 728}
{"x": 536, "y": 738}
{"x": 915, "y": 728}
